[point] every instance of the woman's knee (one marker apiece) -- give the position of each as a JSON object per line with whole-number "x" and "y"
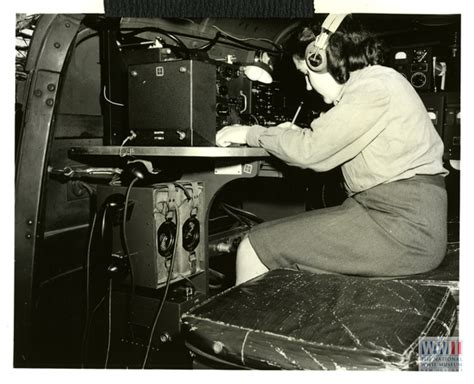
{"x": 248, "y": 264}
{"x": 245, "y": 247}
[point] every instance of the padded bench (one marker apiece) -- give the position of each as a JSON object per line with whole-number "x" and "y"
{"x": 287, "y": 319}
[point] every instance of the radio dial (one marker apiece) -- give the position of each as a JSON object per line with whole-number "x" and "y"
{"x": 223, "y": 90}
{"x": 418, "y": 79}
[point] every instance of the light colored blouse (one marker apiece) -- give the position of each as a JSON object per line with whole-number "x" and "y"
{"x": 379, "y": 132}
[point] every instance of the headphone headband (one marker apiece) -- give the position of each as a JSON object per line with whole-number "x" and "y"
{"x": 331, "y": 24}
{"x": 333, "y": 21}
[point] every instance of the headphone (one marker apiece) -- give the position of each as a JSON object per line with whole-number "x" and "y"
{"x": 315, "y": 54}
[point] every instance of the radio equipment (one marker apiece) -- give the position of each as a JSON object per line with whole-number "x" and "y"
{"x": 164, "y": 222}
{"x": 185, "y": 102}
{"x": 416, "y": 64}
{"x": 445, "y": 113}
{"x": 172, "y": 103}
{"x": 269, "y": 105}
{"x": 233, "y": 95}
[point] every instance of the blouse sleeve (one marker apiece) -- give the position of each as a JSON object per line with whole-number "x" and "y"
{"x": 334, "y": 138}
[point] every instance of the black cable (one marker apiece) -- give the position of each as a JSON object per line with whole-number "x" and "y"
{"x": 168, "y": 281}
{"x": 90, "y": 190}
{"x": 109, "y": 333}
{"x": 87, "y": 187}
{"x": 231, "y": 43}
{"x": 85, "y": 335}
{"x": 250, "y": 215}
{"x": 171, "y": 35}
{"x": 216, "y": 273}
{"x": 210, "y": 44}
{"x": 186, "y": 192}
{"x": 124, "y": 235}
{"x": 59, "y": 275}
{"x": 127, "y": 251}
{"x": 239, "y": 41}
{"x": 241, "y": 220}
{"x": 88, "y": 261}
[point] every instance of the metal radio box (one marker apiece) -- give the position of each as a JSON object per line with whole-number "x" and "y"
{"x": 172, "y": 103}
{"x": 163, "y": 221}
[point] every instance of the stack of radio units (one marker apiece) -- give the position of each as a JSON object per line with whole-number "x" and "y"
{"x": 167, "y": 276}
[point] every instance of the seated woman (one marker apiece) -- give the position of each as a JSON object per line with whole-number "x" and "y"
{"x": 394, "y": 221}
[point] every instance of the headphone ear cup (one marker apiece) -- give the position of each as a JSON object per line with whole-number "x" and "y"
{"x": 314, "y": 61}
{"x": 315, "y": 58}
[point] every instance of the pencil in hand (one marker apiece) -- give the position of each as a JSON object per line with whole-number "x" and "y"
{"x": 296, "y": 116}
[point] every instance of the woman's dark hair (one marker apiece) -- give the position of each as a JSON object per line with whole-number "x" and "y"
{"x": 349, "y": 48}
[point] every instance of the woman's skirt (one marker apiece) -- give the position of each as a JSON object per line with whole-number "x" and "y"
{"x": 394, "y": 229}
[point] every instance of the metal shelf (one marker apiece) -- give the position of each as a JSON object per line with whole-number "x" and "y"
{"x": 213, "y": 152}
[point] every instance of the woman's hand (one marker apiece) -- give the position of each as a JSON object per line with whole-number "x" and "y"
{"x": 289, "y": 125}
{"x": 232, "y": 134}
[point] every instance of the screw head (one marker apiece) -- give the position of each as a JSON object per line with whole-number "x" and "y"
{"x": 182, "y": 69}
{"x": 51, "y": 87}
{"x": 37, "y": 92}
{"x": 165, "y": 337}
{"x": 29, "y": 222}
{"x": 134, "y": 73}
{"x": 28, "y": 236}
{"x": 218, "y": 347}
{"x": 50, "y": 102}
{"x": 67, "y": 25}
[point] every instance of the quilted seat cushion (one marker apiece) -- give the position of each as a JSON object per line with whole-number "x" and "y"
{"x": 288, "y": 319}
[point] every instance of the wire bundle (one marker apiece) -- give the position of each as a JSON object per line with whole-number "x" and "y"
{"x": 25, "y": 26}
